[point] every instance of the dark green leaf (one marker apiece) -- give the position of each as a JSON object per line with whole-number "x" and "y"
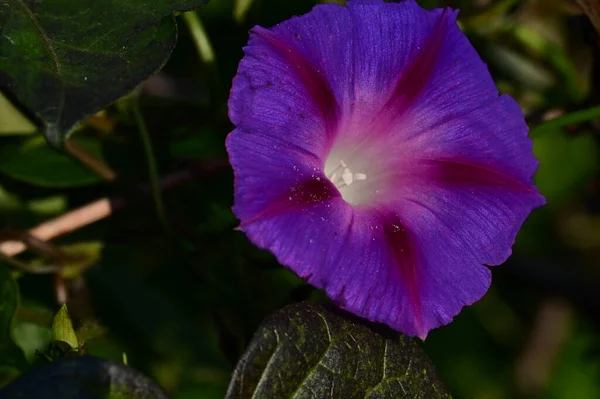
{"x": 83, "y": 378}
{"x": 67, "y": 59}
{"x": 307, "y": 351}
{"x": 35, "y": 162}
{"x": 12, "y": 358}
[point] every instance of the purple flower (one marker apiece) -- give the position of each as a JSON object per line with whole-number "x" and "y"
{"x": 374, "y": 157}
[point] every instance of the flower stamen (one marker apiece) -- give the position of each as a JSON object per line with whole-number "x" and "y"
{"x": 346, "y": 178}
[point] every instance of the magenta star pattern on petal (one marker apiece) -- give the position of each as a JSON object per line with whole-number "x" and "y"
{"x": 374, "y": 157}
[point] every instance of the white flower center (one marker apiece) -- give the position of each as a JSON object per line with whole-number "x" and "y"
{"x": 342, "y": 176}
{"x": 352, "y": 176}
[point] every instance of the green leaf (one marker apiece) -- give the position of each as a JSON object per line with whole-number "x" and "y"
{"x": 66, "y": 60}
{"x": 12, "y": 122}
{"x": 35, "y": 162}
{"x": 12, "y": 359}
{"x": 31, "y": 337}
{"x": 308, "y": 351}
{"x": 62, "y": 328}
{"x": 85, "y": 378}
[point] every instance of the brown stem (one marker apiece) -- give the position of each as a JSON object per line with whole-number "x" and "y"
{"x": 35, "y": 244}
{"x": 60, "y": 288}
{"x": 97, "y": 210}
{"x": 94, "y": 164}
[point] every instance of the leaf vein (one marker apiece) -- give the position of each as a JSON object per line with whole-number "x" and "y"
{"x": 263, "y": 377}
{"x": 51, "y": 50}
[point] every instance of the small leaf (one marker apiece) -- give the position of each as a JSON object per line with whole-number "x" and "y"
{"x": 35, "y": 162}
{"x": 83, "y": 378}
{"x": 62, "y": 328}
{"x": 308, "y": 351}
{"x": 66, "y": 60}
{"x": 12, "y": 359}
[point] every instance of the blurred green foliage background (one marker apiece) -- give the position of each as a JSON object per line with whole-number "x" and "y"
{"x": 181, "y": 295}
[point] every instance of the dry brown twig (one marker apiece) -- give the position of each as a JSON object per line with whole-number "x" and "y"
{"x": 592, "y": 9}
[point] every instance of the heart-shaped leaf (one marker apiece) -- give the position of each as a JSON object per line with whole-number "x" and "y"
{"x": 83, "y": 378}
{"x": 67, "y": 59}
{"x": 307, "y": 351}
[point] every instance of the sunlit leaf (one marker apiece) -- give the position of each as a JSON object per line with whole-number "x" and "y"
{"x": 308, "y": 351}
{"x": 62, "y": 328}
{"x": 66, "y": 60}
{"x": 12, "y": 122}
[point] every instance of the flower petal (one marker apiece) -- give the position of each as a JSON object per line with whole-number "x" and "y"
{"x": 374, "y": 263}
{"x": 396, "y": 47}
{"x": 493, "y": 134}
{"x": 273, "y": 175}
{"x": 481, "y": 209}
{"x": 445, "y": 275}
{"x": 289, "y": 81}
{"x": 457, "y": 112}
{"x": 398, "y": 96}
{"x": 339, "y": 249}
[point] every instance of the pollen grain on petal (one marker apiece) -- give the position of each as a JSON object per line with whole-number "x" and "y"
{"x": 313, "y": 191}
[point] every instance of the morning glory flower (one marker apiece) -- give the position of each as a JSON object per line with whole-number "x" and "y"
{"x": 374, "y": 157}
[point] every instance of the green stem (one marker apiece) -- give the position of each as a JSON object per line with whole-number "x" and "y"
{"x": 201, "y": 40}
{"x": 207, "y": 55}
{"x": 572, "y": 118}
{"x": 152, "y": 165}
